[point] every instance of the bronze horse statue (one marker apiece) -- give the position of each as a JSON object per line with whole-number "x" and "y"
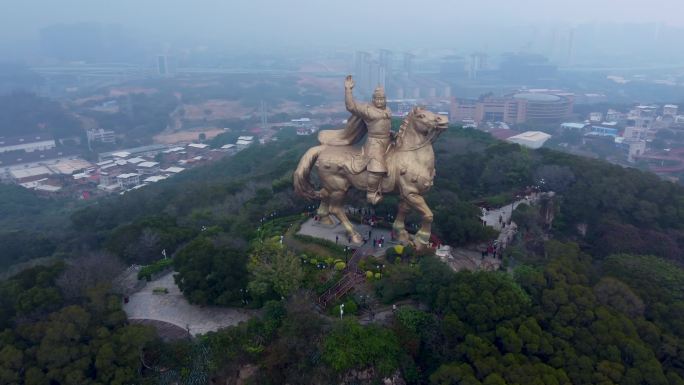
{"x": 411, "y": 171}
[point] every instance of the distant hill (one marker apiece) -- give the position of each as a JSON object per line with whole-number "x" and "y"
{"x": 24, "y": 113}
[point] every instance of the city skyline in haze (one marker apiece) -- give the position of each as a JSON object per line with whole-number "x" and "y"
{"x": 315, "y": 23}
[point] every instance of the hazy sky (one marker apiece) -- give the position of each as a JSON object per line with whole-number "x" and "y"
{"x": 301, "y": 22}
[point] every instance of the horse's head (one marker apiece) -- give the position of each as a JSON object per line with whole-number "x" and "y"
{"x": 425, "y": 125}
{"x": 427, "y": 122}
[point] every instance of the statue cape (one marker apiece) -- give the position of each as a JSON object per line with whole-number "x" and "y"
{"x": 350, "y": 134}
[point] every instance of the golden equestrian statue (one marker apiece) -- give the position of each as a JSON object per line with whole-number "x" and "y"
{"x": 405, "y": 167}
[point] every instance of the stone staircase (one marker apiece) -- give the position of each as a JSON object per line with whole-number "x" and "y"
{"x": 352, "y": 276}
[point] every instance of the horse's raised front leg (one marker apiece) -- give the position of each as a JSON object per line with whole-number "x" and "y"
{"x": 336, "y": 209}
{"x": 399, "y": 228}
{"x": 422, "y": 237}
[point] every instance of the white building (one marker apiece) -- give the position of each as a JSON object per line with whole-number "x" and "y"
{"x": 127, "y": 181}
{"x": 29, "y": 174}
{"x": 244, "y": 142}
{"x": 636, "y": 133}
{"x": 531, "y": 139}
{"x": 28, "y": 143}
{"x": 613, "y": 115}
{"x": 635, "y": 148}
{"x": 670, "y": 110}
{"x": 148, "y": 168}
{"x": 101, "y": 135}
{"x": 580, "y": 127}
{"x": 173, "y": 170}
{"x": 107, "y": 178}
{"x": 595, "y": 117}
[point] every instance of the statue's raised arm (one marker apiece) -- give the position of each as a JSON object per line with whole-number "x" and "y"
{"x": 352, "y": 105}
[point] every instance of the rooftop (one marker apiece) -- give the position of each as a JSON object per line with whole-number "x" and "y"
{"x": 30, "y": 172}
{"x": 198, "y": 145}
{"x": 10, "y": 158}
{"x": 14, "y": 140}
{"x": 537, "y": 97}
{"x": 573, "y": 125}
{"x": 532, "y": 135}
{"x": 70, "y": 166}
{"x": 154, "y": 179}
{"x": 174, "y": 169}
{"x": 47, "y": 188}
{"x": 148, "y": 164}
{"x": 135, "y": 150}
{"x": 530, "y": 139}
{"x": 135, "y": 160}
{"x": 126, "y": 176}
{"x": 121, "y": 154}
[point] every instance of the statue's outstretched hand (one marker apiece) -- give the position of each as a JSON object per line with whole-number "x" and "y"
{"x": 349, "y": 82}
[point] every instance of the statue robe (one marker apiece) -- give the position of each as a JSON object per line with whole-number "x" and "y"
{"x": 350, "y": 134}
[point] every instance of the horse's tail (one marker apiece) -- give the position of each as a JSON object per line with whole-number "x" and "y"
{"x": 302, "y": 184}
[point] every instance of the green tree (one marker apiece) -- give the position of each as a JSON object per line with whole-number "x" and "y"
{"x": 352, "y": 346}
{"x": 209, "y": 275}
{"x": 273, "y": 268}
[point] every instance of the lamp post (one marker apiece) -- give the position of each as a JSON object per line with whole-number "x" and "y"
{"x": 341, "y": 310}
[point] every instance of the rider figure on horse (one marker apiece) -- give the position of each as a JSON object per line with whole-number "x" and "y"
{"x": 378, "y": 121}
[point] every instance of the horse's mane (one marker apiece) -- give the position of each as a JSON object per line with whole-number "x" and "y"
{"x": 402, "y": 129}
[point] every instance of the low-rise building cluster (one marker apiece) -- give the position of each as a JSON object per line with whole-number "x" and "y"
{"x": 636, "y": 133}
{"x": 38, "y": 163}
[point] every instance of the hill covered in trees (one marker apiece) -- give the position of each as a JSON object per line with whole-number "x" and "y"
{"x": 595, "y": 296}
{"x": 24, "y": 113}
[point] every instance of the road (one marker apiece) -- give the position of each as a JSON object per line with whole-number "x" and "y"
{"x": 173, "y": 308}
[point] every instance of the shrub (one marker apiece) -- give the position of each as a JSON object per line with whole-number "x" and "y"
{"x": 146, "y": 272}
{"x": 339, "y": 266}
{"x": 350, "y": 307}
{"x": 160, "y": 290}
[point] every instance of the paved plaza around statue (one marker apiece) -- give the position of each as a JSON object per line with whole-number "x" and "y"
{"x": 173, "y": 308}
{"x": 336, "y": 233}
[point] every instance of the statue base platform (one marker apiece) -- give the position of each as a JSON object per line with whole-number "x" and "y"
{"x": 337, "y": 234}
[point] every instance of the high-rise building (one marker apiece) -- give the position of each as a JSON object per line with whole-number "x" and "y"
{"x": 362, "y": 71}
{"x": 386, "y": 60}
{"x": 571, "y": 47}
{"x": 453, "y": 67}
{"x": 370, "y": 73}
{"x": 166, "y": 65}
{"x": 407, "y": 67}
{"x": 478, "y": 62}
